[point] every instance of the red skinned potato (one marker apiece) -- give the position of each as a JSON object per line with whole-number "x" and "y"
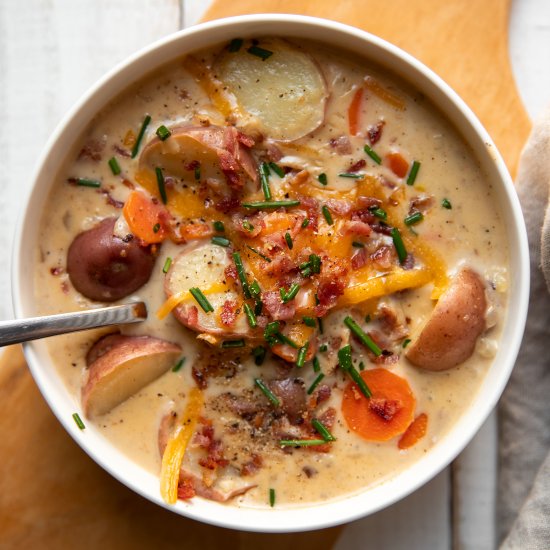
{"x": 449, "y": 337}
{"x": 220, "y": 153}
{"x": 104, "y": 267}
{"x": 122, "y": 365}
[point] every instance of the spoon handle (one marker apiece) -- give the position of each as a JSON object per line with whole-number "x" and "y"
{"x": 23, "y": 330}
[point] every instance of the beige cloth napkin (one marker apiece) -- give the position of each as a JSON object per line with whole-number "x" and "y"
{"x": 523, "y": 514}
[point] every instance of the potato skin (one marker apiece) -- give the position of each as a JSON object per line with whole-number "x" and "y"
{"x": 105, "y": 268}
{"x": 449, "y": 337}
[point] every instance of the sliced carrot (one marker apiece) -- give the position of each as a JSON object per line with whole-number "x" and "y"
{"x": 416, "y": 431}
{"x": 129, "y": 139}
{"x": 366, "y": 420}
{"x": 147, "y": 220}
{"x": 384, "y": 94}
{"x": 354, "y": 112}
{"x": 398, "y": 164}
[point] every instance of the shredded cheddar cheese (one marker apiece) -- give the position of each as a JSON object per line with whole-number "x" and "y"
{"x": 176, "y": 299}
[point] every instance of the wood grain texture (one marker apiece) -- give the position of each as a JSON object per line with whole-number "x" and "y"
{"x": 463, "y": 41}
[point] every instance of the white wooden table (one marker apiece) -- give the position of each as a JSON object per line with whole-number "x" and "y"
{"x": 51, "y": 52}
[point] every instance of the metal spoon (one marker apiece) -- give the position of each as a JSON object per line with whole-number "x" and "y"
{"x": 23, "y": 330}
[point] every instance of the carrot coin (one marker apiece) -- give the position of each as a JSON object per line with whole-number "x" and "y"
{"x": 416, "y": 431}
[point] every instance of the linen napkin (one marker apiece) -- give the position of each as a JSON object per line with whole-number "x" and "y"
{"x": 523, "y": 509}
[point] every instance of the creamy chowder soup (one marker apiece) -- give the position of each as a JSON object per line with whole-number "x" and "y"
{"x": 322, "y": 261}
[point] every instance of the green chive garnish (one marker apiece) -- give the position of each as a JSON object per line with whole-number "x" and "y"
{"x": 288, "y": 240}
{"x": 323, "y": 348}
{"x": 301, "y": 359}
{"x": 242, "y": 276}
{"x": 201, "y": 299}
{"x": 315, "y": 383}
{"x": 233, "y": 343}
{"x": 262, "y": 53}
{"x": 263, "y": 256}
{"x": 197, "y": 173}
{"x": 322, "y": 430}
{"x": 309, "y": 322}
{"x": 301, "y": 442}
{"x": 178, "y": 365}
{"x": 414, "y": 218}
{"x": 264, "y": 178}
{"x": 316, "y": 364}
{"x": 235, "y": 45}
{"x": 85, "y": 182}
{"x": 277, "y": 169}
{"x": 378, "y": 213}
{"x": 78, "y": 421}
{"x": 406, "y": 342}
{"x": 167, "y": 265}
{"x": 271, "y": 204}
{"x": 248, "y": 226}
{"x": 161, "y": 186}
{"x": 271, "y": 329}
{"x": 357, "y": 244}
{"x": 163, "y": 133}
{"x": 259, "y": 355}
{"x": 305, "y": 223}
{"x": 344, "y": 358}
{"x": 250, "y": 316}
{"x": 323, "y": 180}
{"x": 218, "y": 226}
{"x": 399, "y": 246}
{"x": 272, "y": 497}
{"x": 413, "y": 173}
{"x": 115, "y": 167}
{"x": 327, "y": 214}
{"x": 221, "y": 241}
{"x": 352, "y": 175}
{"x": 363, "y": 337}
{"x": 315, "y": 263}
{"x": 446, "y": 203}
{"x": 274, "y": 400}
{"x": 372, "y": 154}
{"x": 144, "y": 125}
{"x": 291, "y": 294}
{"x": 320, "y": 323}
{"x": 156, "y": 228}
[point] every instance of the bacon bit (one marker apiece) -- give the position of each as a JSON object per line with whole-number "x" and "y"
{"x": 409, "y": 262}
{"x": 128, "y": 183}
{"x": 354, "y": 112}
{"x": 309, "y": 471}
{"x": 280, "y": 265}
{"x": 387, "y": 358}
{"x": 381, "y": 228}
{"x": 339, "y": 207}
{"x": 368, "y": 202}
{"x": 374, "y": 132}
{"x": 65, "y": 287}
{"x": 247, "y": 141}
{"x": 256, "y": 222}
{"x": 320, "y": 395}
{"x": 390, "y": 324}
{"x": 357, "y": 165}
{"x": 229, "y": 313}
{"x": 191, "y": 166}
{"x": 55, "y": 271}
{"x": 311, "y": 207}
{"x": 398, "y": 164}
{"x": 193, "y": 316}
{"x": 230, "y": 272}
{"x": 121, "y": 151}
{"x": 276, "y": 309}
{"x": 186, "y": 488}
{"x": 341, "y": 145}
{"x": 92, "y": 150}
{"x": 332, "y": 283}
{"x": 252, "y": 466}
{"x": 383, "y": 257}
{"x": 227, "y": 204}
{"x": 386, "y": 409}
{"x": 214, "y": 458}
{"x": 110, "y": 200}
{"x": 192, "y": 231}
{"x": 359, "y": 259}
{"x": 355, "y": 227}
{"x": 421, "y": 203}
{"x": 327, "y": 418}
{"x": 416, "y": 431}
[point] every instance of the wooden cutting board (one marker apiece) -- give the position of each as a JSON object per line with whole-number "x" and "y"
{"x": 51, "y": 494}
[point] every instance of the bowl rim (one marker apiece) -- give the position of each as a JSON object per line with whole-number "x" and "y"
{"x": 350, "y": 507}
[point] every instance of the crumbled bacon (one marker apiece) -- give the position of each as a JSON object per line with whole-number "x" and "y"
{"x": 121, "y": 151}
{"x": 311, "y": 207}
{"x": 92, "y": 150}
{"x": 383, "y": 257}
{"x": 254, "y": 225}
{"x": 382, "y": 228}
{"x": 332, "y": 283}
{"x": 359, "y": 259}
{"x": 228, "y": 314}
{"x": 247, "y": 141}
{"x": 276, "y": 309}
{"x": 228, "y": 203}
{"x": 390, "y": 323}
{"x": 280, "y": 265}
{"x": 320, "y": 395}
{"x": 109, "y": 198}
{"x": 252, "y": 466}
{"x": 355, "y": 167}
{"x": 56, "y": 271}
{"x": 215, "y": 363}
{"x": 356, "y": 227}
{"x": 340, "y": 207}
{"x": 230, "y": 272}
{"x": 409, "y": 262}
{"x": 186, "y": 488}
{"x": 341, "y": 145}
{"x": 374, "y": 132}
{"x": 385, "y": 408}
{"x": 421, "y": 203}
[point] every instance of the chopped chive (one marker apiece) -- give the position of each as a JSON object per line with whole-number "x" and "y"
{"x": 406, "y": 342}
{"x": 305, "y": 223}
{"x": 361, "y": 365}
{"x": 301, "y": 358}
{"x": 259, "y": 355}
{"x": 315, "y": 383}
{"x": 288, "y": 240}
{"x": 323, "y": 180}
{"x": 201, "y": 299}
{"x": 233, "y": 343}
{"x": 235, "y": 45}
{"x": 161, "y": 186}
{"x": 163, "y": 133}
{"x": 286, "y": 340}
{"x": 372, "y": 154}
{"x": 272, "y": 497}
{"x": 156, "y": 228}
{"x": 301, "y": 442}
{"x": 322, "y": 430}
{"x": 323, "y": 348}
{"x": 255, "y": 289}
{"x": 263, "y": 256}
{"x": 242, "y": 276}
{"x": 344, "y": 358}
{"x": 379, "y": 213}
{"x": 218, "y": 226}
{"x": 115, "y": 166}
{"x": 221, "y": 241}
{"x": 277, "y": 169}
{"x": 306, "y": 272}
{"x": 315, "y": 263}
{"x": 352, "y": 175}
{"x": 414, "y": 218}
{"x": 291, "y": 294}
{"x": 446, "y": 203}
{"x": 250, "y": 316}
{"x": 78, "y": 421}
{"x": 264, "y": 178}
{"x": 144, "y": 125}
{"x": 271, "y": 204}
{"x": 178, "y": 365}
{"x": 267, "y": 392}
{"x": 327, "y": 214}
{"x": 320, "y": 323}
{"x": 309, "y": 322}
{"x": 262, "y": 53}
{"x": 86, "y": 182}
{"x": 197, "y": 173}
{"x": 363, "y": 337}
{"x": 271, "y": 329}
{"x": 248, "y": 226}
{"x": 357, "y": 244}
{"x": 316, "y": 364}
{"x": 413, "y": 173}
{"x": 399, "y": 246}
{"x": 167, "y": 265}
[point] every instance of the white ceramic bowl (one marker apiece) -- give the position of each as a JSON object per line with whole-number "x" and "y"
{"x": 63, "y": 403}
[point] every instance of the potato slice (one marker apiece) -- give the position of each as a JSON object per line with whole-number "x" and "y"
{"x": 121, "y": 366}
{"x": 203, "y": 267}
{"x": 449, "y": 337}
{"x": 287, "y": 91}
